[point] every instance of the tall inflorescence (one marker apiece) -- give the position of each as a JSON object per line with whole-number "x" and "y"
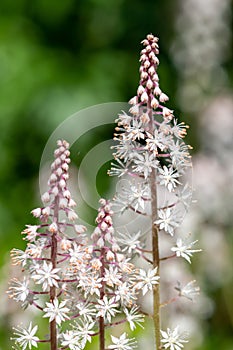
{"x": 151, "y": 155}
{"x": 54, "y": 246}
{"x": 79, "y": 285}
{"x": 119, "y": 282}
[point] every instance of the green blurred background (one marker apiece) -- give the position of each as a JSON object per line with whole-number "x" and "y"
{"x": 57, "y": 57}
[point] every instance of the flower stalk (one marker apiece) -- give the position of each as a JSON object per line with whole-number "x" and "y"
{"x": 152, "y": 157}
{"x": 53, "y": 326}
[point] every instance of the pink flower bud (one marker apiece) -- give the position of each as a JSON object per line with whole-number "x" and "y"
{"x": 110, "y": 255}
{"x": 100, "y": 242}
{"x": 62, "y": 183}
{"x": 103, "y": 226}
{"x": 144, "y": 97}
{"x": 46, "y": 211}
{"x": 140, "y": 90}
{"x": 167, "y": 112}
{"x": 133, "y": 100}
{"x": 53, "y": 227}
{"x": 149, "y": 84}
{"x": 134, "y": 110}
{"x": 72, "y": 203}
{"x": 36, "y": 212}
{"x": 146, "y": 64}
{"x": 53, "y": 178}
{"x": 59, "y": 171}
{"x": 151, "y": 70}
{"x": 154, "y": 103}
{"x": 144, "y": 75}
{"x": 80, "y": 228}
{"x": 163, "y": 98}
{"x": 45, "y": 197}
{"x": 67, "y": 194}
{"x": 72, "y": 215}
{"x": 157, "y": 90}
{"x": 55, "y": 191}
{"x": 65, "y": 244}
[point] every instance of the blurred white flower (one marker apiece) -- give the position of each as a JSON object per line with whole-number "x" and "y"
{"x": 122, "y": 343}
{"x": 172, "y": 339}
{"x": 184, "y": 249}
{"x": 134, "y": 317}
{"x": 188, "y": 291}
{"x": 25, "y": 337}
{"x": 167, "y": 221}
{"x": 71, "y": 340}
{"x": 18, "y": 290}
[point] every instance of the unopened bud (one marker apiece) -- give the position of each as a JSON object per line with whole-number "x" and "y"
{"x": 163, "y": 97}
{"x": 46, "y": 211}
{"x": 154, "y": 103}
{"x": 144, "y": 97}
{"x": 144, "y": 75}
{"x": 140, "y": 90}
{"x": 151, "y": 70}
{"x": 72, "y": 215}
{"x": 133, "y": 100}
{"x": 53, "y": 227}
{"x": 167, "y": 112}
{"x": 80, "y": 228}
{"x": 149, "y": 84}
{"x": 67, "y": 194}
{"x": 36, "y": 212}
{"x": 157, "y": 90}
{"x": 147, "y": 64}
{"x": 45, "y": 197}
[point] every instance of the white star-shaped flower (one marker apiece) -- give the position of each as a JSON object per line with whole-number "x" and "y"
{"x": 122, "y": 343}
{"x": 56, "y": 311}
{"x": 147, "y": 280}
{"x": 19, "y": 290}
{"x": 107, "y": 308}
{"x": 47, "y": 276}
{"x": 168, "y": 178}
{"x": 26, "y": 337}
{"x": 134, "y": 317}
{"x": 167, "y": 220}
{"x": 189, "y": 291}
{"x": 184, "y": 250}
{"x": 172, "y": 339}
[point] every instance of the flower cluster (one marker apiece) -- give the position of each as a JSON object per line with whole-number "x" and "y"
{"x": 74, "y": 281}
{"x": 152, "y": 158}
{"x": 85, "y": 284}
{"x": 149, "y": 139}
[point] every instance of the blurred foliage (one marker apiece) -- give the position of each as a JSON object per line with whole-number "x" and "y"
{"x": 57, "y": 57}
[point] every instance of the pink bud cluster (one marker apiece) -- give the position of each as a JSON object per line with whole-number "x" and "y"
{"x": 149, "y": 91}
{"x": 58, "y": 187}
{"x": 104, "y": 231}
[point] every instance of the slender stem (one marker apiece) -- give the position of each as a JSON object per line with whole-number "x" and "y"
{"x": 137, "y": 211}
{"x": 102, "y": 293}
{"x": 170, "y": 301}
{"x": 168, "y": 257}
{"x": 53, "y": 326}
{"x": 155, "y": 241}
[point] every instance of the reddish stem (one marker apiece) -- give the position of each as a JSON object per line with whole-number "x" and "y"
{"x": 102, "y": 293}
{"x": 53, "y": 326}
